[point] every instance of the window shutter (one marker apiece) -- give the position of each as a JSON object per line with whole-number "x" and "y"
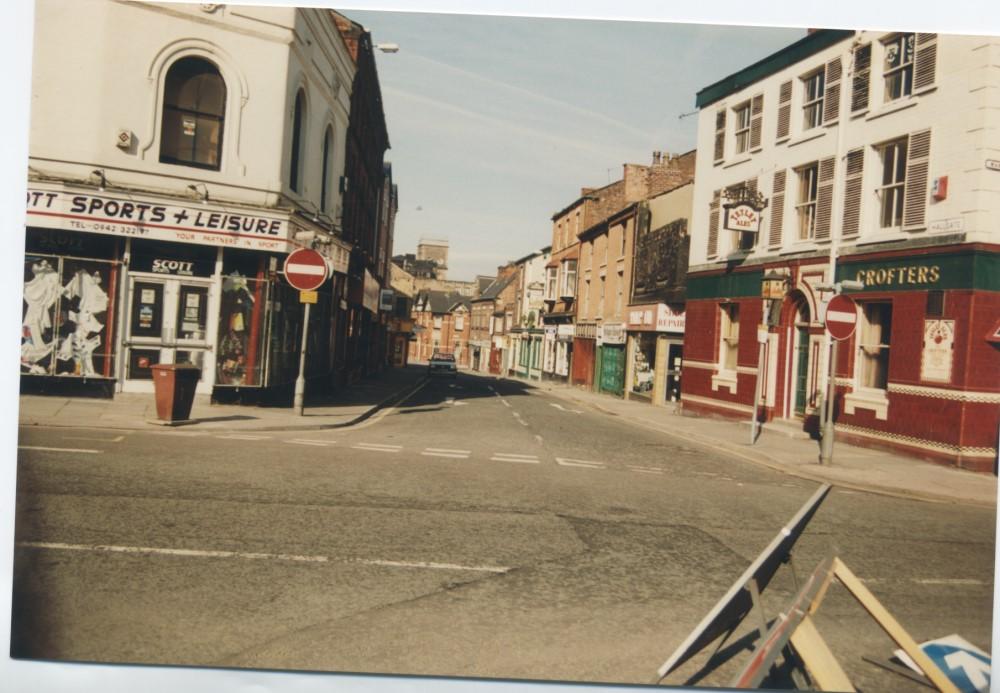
{"x": 862, "y": 74}
{"x": 713, "y": 225}
{"x": 925, "y": 62}
{"x": 852, "y": 192}
{"x": 784, "y": 110}
{"x": 720, "y": 134}
{"x": 777, "y": 207}
{"x": 824, "y": 198}
{"x": 831, "y": 99}
{"x": 756, "y": 120}
{"x": 918, "y": 154}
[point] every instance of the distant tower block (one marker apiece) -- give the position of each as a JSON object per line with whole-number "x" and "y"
{"x": 435, "y": 249}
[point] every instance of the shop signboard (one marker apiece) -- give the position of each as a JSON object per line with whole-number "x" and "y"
{"x": 565, "y": 333}
{"x": 657, "y": 317}
{"x": 669, "y": 320}
{"x": 936, "y": 356}
{"x": 369, "y": 298}
{"x": 140, "y": 216}
{"x": 611, "y": 333}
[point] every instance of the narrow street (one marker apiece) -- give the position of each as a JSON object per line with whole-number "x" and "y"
{"x": 481, "y": 528}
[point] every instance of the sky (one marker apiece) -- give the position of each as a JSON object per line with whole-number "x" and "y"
{"x": 495, "y": 123}
{"x": 592, "y": 95}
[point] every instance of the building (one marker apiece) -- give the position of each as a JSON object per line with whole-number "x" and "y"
{"x": 526, "y": 334}
{"x": 560, "y": 290}
{"x": 429, "y": 268}
{"x": 656, "y": 318}
{"x": 366, "y": 212}
{"x": 442, "y": 324}
{"x": 434, "y": 250}
{"x": 492, "y": 314}
{"x": 168, "y": 179}
{"x": 843, "y": 157}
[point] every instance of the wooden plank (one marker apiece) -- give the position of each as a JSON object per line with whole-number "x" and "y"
{"x": 892, "y": 627}
{"x": 823, "y": 667}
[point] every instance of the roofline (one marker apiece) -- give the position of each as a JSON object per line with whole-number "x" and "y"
{"x": 789, "y": 55}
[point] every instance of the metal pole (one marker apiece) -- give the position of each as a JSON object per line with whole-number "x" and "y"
{"x": 826, "y": 439}
{"x": 300, "y": 382}
{"x": 754, "y": 425}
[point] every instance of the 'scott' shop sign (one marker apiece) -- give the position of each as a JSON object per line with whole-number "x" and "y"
{"x": 150, "y": 218}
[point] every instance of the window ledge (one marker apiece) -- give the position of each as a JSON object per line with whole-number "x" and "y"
{"x": 892, "y": 107}
{"x": 736, "y": 162}
{"x": 726, "y": 379}
{"x": 809, "y": 137}
{"x": 783, "y": 140}
{"x": 873, "y": 400}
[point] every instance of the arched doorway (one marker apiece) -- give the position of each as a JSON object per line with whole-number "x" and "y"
{"x": 800, "y": 360}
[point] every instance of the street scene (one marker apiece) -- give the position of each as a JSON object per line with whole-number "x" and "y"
{"x": 350, "y": 349}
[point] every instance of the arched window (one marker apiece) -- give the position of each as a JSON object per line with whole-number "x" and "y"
{"x": 298, "y": 123}
{"x": 194, "y": 105}
{"x": 324, "y": 195}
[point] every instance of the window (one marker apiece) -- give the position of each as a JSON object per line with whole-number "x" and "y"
{"x": 459, "y": 323}
{"x": 812, "y": 101}
{"x": 437, "y": 322}
{"x": 194, "y": 104}
{"x": 898, "y": 66}
{"x": 873, "y": 345}
{"x": 569, "y": 279}
{"x": 805, "y": 208}
{"x": 730, "y": 335}
{"x": 550, "y": 283}
{"x": 742, "y": 114}
{"x": 298, "y": 123}
{"x": 327, "y": 155}
{"x": 621, "y": 292}
{"x": 893, "y": 183}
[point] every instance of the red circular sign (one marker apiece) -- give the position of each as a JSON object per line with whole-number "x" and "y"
{"x": 841, "y": 317}
{"x": 305, "y": 269}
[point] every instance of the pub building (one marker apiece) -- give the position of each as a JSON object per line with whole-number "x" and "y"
{"x": 839, "y": 158}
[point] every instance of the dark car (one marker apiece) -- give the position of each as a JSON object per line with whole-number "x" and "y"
{"x": 443, "y": 364}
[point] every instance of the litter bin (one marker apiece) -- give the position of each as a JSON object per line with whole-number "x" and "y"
{"x": 174, "y": 384}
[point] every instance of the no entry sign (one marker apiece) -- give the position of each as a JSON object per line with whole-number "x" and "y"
{"x": 305, "y": 269}
{"x": 841, "y": 317}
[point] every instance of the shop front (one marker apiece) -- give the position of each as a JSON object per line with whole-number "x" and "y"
{"x": 117, "y": 282}
{"x": 655, "y": 348}
{"x": 611, "y": 358}
{"x": 584, "y": 354}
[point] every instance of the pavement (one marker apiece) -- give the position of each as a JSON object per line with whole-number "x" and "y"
{"x": 853, "y": 467}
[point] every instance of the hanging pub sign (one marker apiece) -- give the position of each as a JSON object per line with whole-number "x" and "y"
{"x": 743, "y": 211}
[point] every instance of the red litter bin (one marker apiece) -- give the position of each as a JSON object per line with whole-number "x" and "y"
{"x": 174, "y": 384}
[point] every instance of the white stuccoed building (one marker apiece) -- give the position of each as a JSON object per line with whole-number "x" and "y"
{"x": 877, "y": 154}
{"x": 177, "y": 154}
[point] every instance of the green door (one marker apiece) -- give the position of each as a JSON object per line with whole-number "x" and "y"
{"x": 802, "y": 371}
{"x": 612, "y": 369}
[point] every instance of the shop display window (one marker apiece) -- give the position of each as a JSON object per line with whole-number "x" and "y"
{"x": 67, "y": 317}
{"x": 644, "y": 364}
{"x": 239, "y": 359}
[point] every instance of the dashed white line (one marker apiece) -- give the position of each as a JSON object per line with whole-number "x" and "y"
{"x": 645, "y": 470}
{"x": 45, "y": 449}
{"x": 116, "y": 439}
{"x": 505, "y": 402}
{"x": 320, "y": 443}
{"x": 538, "y": 439}
{"x": 299, "y": 558}
{"x": 569, "y": 462}
{"x": 451, "y": 455}
{"x": 374, "y": 447}
{"x": 514, "y": 457}
{"x": 460, "y": 452}
{"x": 235, "y": 436}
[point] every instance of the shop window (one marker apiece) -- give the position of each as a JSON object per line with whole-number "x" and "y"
{"x": 729, "y": 336}
{"x": 194, "y": 103}
{"x": 873, "y": 345}
{"x": 742, "y": 127}
{"x": 898, "y": 66}
{"x": 644, "y": 363}
{"x": 812, "y": 100}
{"x": 805, "y": 207}
{"x": 298, "y": 125}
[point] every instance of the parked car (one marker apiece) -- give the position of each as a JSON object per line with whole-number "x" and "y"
{"x": 443, "y": 364}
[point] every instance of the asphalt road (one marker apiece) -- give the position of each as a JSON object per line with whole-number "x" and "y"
{"x": 480, "y": 529}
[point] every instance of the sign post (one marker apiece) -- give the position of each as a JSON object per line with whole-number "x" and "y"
{"x": 841, "y": 321}
{"x": 305, "y": 270}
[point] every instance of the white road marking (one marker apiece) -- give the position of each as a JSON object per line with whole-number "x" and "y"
{"x": 514, "y": 457}
{"x": 38, "y": 447}
{"x": 452, "y": 455}
{"x": 460, "y": 403}
{"x": 303, "y": 441}
{"x": 374, "y": 447}
{"x": 569, "y": 462}
{"x": 948, "y": 581}
{"x": 645, "y": 470}
{"x": 204, "y": 553}
{"x": 538, "y": 439}
{"x": 238, "y": 436}
{"x": 449, "y": 400}
{"x": 561, "y": 408}
{"x": 116, "y": 439}
{"x": 183, "y": 434}
{"x": 522, "y": 422}
{"x": 457, "y": 452}
{"x": 505, "y": 402}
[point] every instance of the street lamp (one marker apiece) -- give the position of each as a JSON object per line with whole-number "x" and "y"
{"x": 772, "y": 288}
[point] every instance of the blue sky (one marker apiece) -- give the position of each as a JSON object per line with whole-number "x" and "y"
{"x": 496, "y": 122}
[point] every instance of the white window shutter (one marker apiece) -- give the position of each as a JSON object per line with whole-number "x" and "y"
{"x": 720, "y": 135}
{"x": 852, "y": 192}
{"x": 862, "y": 75}
{"x": 713, "y": 225}
{"x": 925, "y": 62}
{"x": 831, "y": 99}
{"x": 756, "y": 120}
{"x": 824, "y": 198}
{"x": 918, "y": 156}
{"x": 777, "y": 208}
{"x": 784, "y": 111}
